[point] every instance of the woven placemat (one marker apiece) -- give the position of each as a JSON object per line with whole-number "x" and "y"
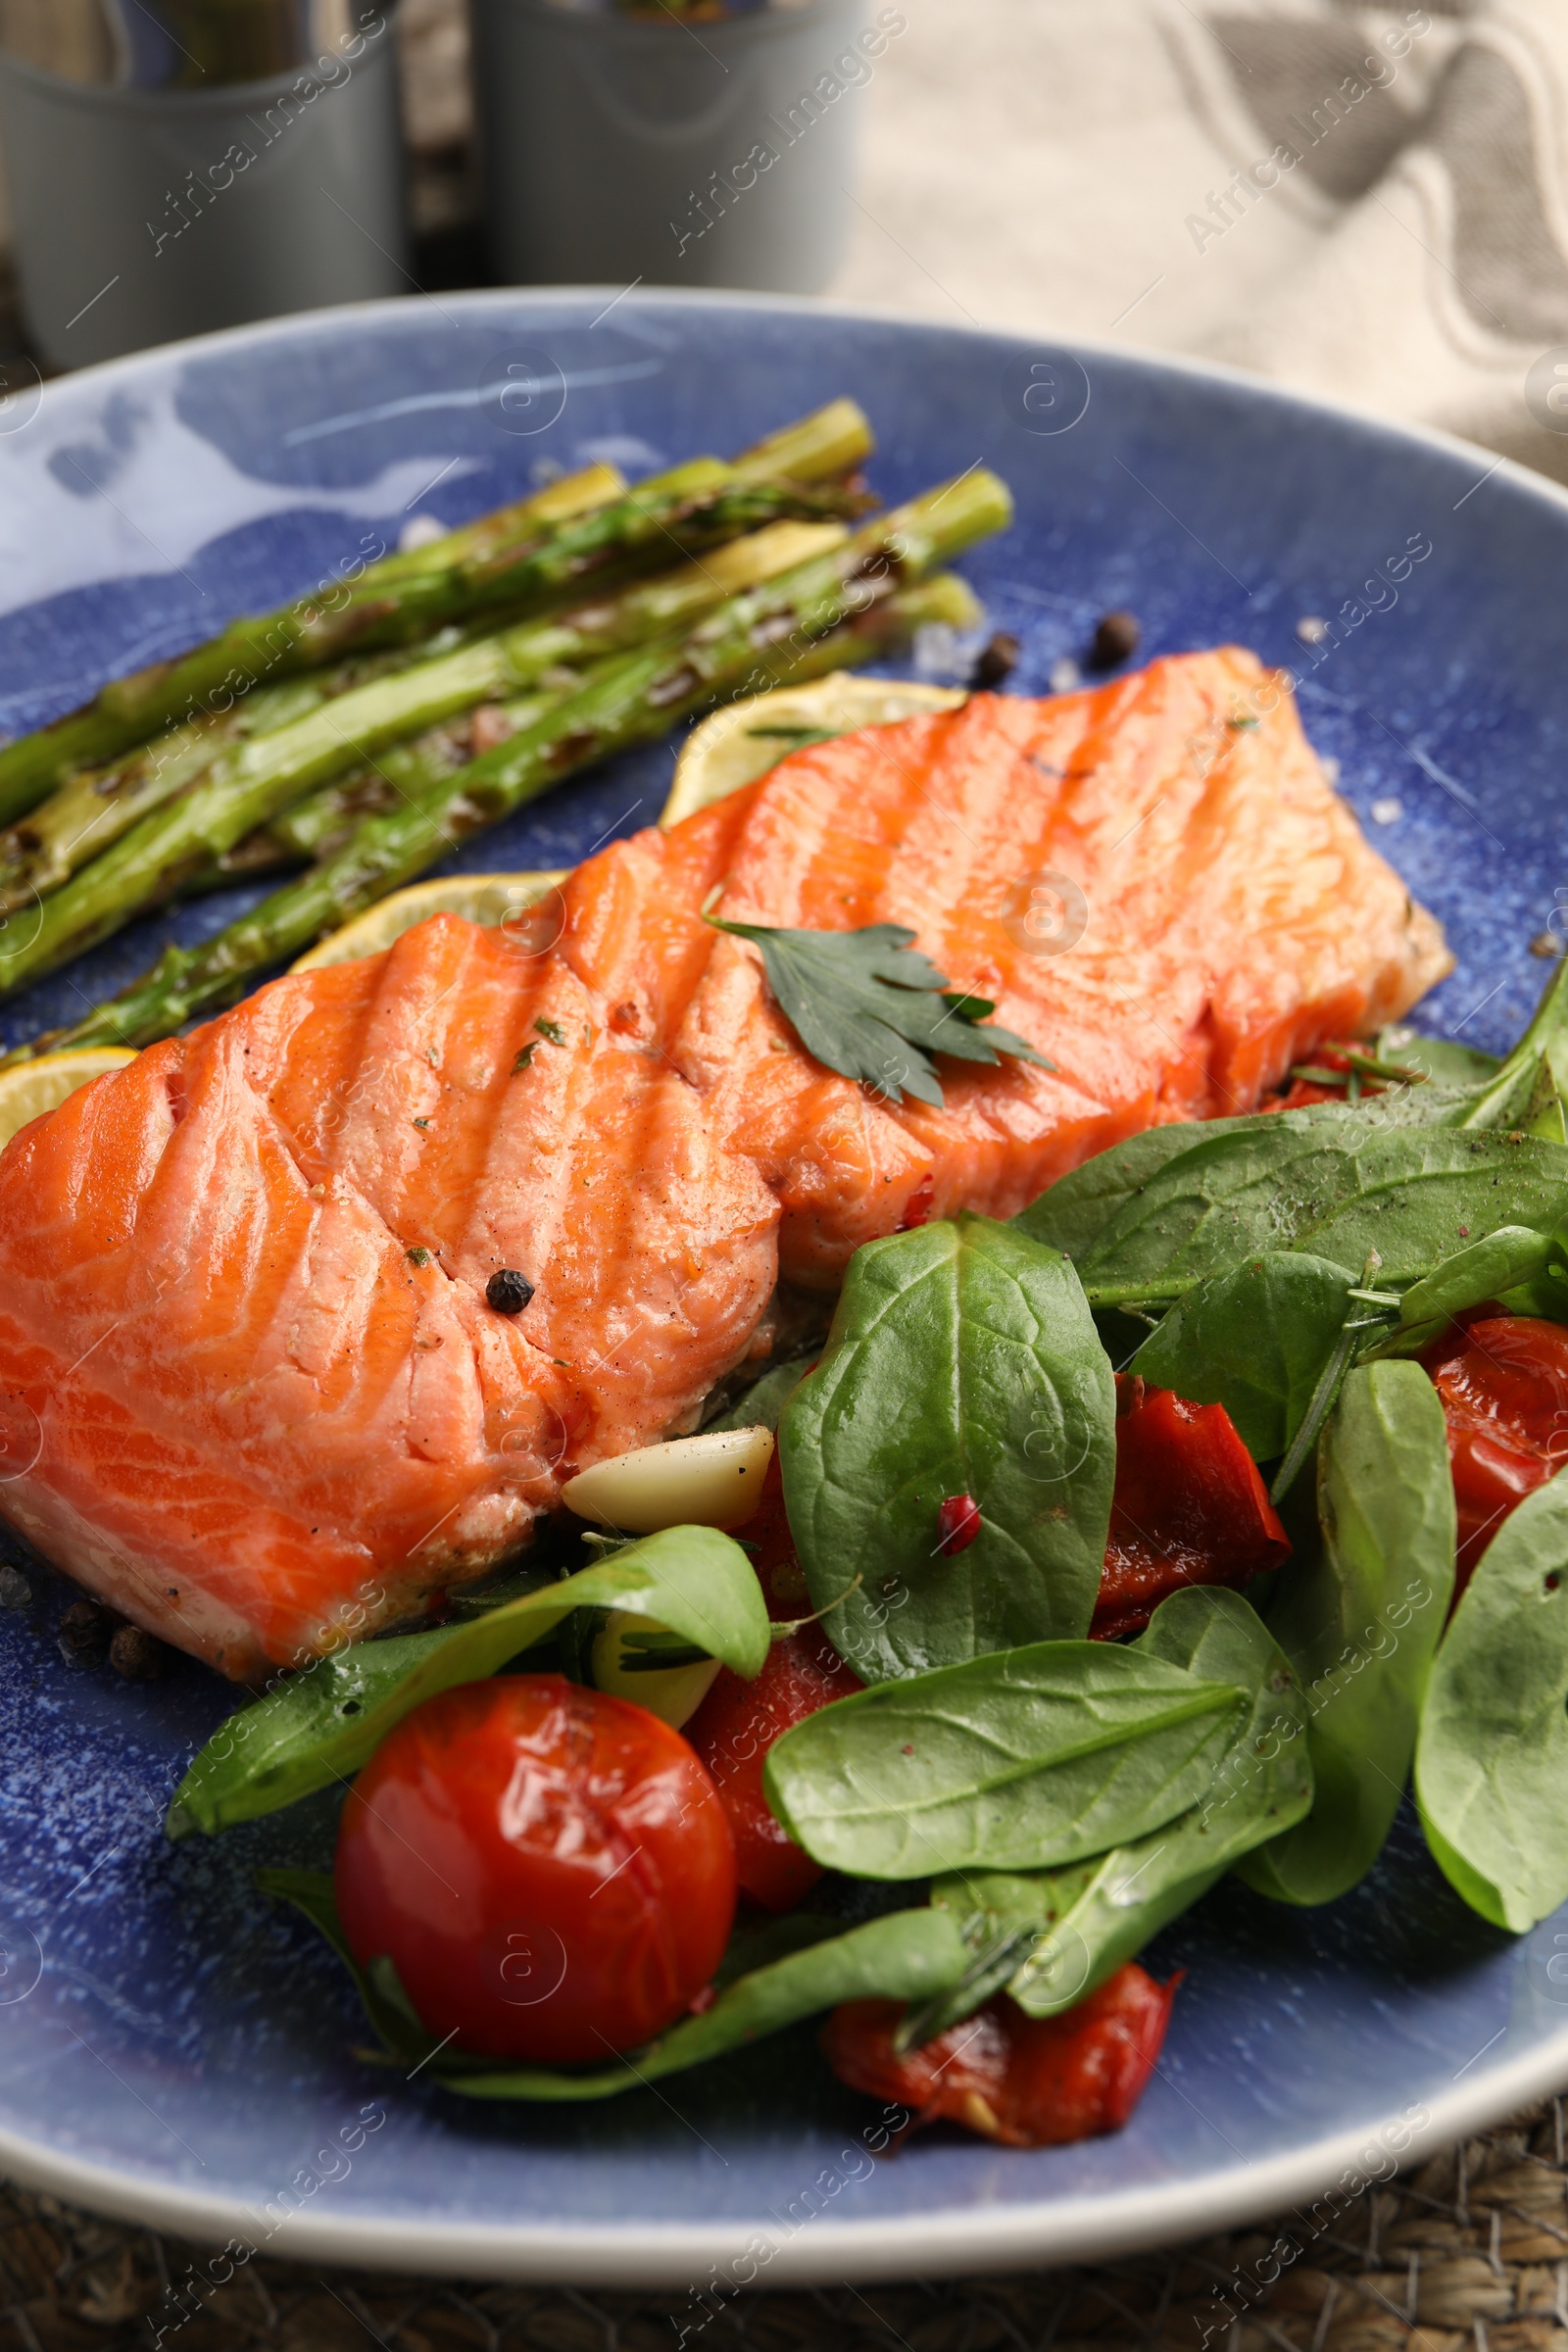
{"x": 1467, "y": 2254}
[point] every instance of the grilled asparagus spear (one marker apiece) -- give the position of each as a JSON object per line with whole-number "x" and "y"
{"x": 90, "y": 811}
{"x": 175, "y": 845}
{"x": 840, "y": 607}
{"x": 578, "y": 528}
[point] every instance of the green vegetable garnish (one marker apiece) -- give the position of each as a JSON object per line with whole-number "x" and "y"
{"x": 962, "y": 1361}
{"x": 1359, "y": 1625}
{"x": 1492, "y": 1764}
{"x": 868, "y": 1005}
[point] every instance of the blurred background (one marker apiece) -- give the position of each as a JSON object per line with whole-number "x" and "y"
{"x": 1370, "y": 202}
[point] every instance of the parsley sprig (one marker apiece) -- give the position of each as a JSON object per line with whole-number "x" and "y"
{"x": 868, "y": 1005}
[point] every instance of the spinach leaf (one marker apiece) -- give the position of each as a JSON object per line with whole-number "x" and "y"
{"x": 1036, "y": 1756}
{"x": 1547, "y": 1299}
{"x": 1255, "y": 1341}
{"x": 1009, "y": 1922}
{"x": 1523, "y": 1091}
{"x": 962, "y": 1361}
{"x": 1442, "y": 1058}
{"x": 908, "y": 1955}
{"x": 1406, "y": 1197}
{"x": 1464, "y": 1090}
{"x": 322, "y": 1723}
{"x": 765, "y": 1399}
{"x": 1492, "y": 1761}
{"x": 1511, "y": 1255}
{"x": 1360, "y": 1624}
{"x": 1077, "y": 1208}
{"x": 1052, "y": 1936}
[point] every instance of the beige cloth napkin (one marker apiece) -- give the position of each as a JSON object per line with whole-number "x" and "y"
{"x": 1368, "y": 203}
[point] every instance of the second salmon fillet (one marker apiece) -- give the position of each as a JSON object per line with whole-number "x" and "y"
{"x": 244, "y": 1335}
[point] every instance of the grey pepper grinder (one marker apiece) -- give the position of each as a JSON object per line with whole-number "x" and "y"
{"x": 177, "y": 166}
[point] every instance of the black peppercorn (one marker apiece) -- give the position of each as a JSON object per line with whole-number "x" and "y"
{"x": 998, "y": 660}
{"x": 509, "y": 1292}
{"x": 139, "y": 1656}
{"x": 85, "y": 1628}
{"x": 1116, "y": 639}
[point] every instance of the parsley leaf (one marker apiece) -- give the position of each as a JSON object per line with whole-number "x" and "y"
{"x": 868, "y": 1005}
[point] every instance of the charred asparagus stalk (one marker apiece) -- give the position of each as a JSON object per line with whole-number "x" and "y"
{"x": 206, "y": 686}
{"x": 88, "y": 813}
{"x": 842, "y": 607}
{"x": 175, "y": 845}
{"x": 576, "y": 529}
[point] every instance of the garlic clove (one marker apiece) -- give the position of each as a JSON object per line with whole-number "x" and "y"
{"x": 711, "y": 1481}
{"x": 671, "y": 1692}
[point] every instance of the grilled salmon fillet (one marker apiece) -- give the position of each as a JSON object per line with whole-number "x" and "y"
{"x": 253, "y": 1392}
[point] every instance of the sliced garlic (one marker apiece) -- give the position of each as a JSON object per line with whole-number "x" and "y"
{"x": 671, "y": 1692}
{"x": 711, "y": 1481}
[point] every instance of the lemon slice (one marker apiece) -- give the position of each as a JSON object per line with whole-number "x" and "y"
{"x": 738, "y": 744}
{"x": 35, "y": 1086}
{"x": 495, "y": 899}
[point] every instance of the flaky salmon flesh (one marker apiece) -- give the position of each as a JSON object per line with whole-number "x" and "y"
{"x": 254, "y": 1395}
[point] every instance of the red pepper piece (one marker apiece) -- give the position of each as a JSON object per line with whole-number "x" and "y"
{"x": 957, "y": 1523}
{"x": 1188, "y": 1508}
{"x": 1035, "y": 2082}
{"x": 1304, "y": 1091}
{"x": 772, "y": 1549}
{"x": 738, "y": 1722}
{"x": 732, "y": 1732}
{"x": 1502, "y": 1381}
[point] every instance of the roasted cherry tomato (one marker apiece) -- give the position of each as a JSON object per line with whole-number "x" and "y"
{"x": 738, "y": 1722}
{"x": 1504, "y": 1385}
{"x": 1188, "y": 1508}
{"x": 549, "y": 1869}
{"x": 1035, "y": 2082}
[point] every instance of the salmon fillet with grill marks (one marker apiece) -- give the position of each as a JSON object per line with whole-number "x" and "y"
{"x": 254, "y": 1395}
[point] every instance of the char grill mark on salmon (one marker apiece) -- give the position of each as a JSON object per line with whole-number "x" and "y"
{"x": 260, "y": 1422}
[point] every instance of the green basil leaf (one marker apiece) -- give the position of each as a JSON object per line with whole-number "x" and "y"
{"x": 1409, "y": 1197}
{"x": 1360, "y": 1622}
{"x": 1058, "y": 1934}
{"x": 1255, "y": 1341}
{"x": 1035, "y": 1756}
{"x": 1492, "y": 1761}
{"x": 908, "y": 1955}
{"x": 962, "y": 1361}
{"x": 322, "y": 1723}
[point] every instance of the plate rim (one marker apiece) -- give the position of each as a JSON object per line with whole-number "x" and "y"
{"x": 1041, "y": 2233}
{"x": 475, "y": 301}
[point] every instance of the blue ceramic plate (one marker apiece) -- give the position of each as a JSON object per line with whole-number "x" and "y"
{"x": 175, "y": 2048}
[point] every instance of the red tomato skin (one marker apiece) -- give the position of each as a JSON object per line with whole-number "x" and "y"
{"x": 548, "y": 1867}
{"x": 1033, "y": 2082}
{"x": 1188, "y": 1507}
{"x": 1502, "y": 1381}
{"x": 732, "y": 1732}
